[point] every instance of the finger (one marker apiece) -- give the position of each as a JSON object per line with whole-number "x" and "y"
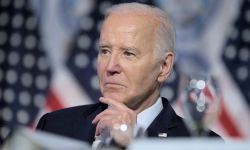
{"x": 128, "y": 113}
{"x": 109, "y": 118}
{"x": 123, "y": 116}
{"x": 113, "y": 103}
{"x": 107, "y": 112}
{"x": 104, "y": 124}
{"x": 99, "y": 127}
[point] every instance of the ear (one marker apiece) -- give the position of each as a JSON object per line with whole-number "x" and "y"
{"x": 166, "y": 66}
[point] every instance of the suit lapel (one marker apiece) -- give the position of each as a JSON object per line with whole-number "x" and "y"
{"x": 163, "y": 123}
{"x": 84, "y": 129}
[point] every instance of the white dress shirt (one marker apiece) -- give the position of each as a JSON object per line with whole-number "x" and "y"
{"x": 146, "y": 117}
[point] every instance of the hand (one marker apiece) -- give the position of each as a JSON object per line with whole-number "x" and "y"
{"x": 119, "y": 119}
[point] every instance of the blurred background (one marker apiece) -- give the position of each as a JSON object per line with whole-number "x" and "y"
{"x": 48, "y": 52}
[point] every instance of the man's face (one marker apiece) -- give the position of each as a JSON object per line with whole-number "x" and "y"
{"x": 127, "y": 67}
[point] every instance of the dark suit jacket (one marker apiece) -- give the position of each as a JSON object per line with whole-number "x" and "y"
{"x": 76, "y": 122}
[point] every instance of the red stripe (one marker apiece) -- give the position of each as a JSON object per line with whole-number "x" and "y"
{"x": 53, "y": 101}
{"x": 208, "y": 93}
{"x": 225, "y": 119}
{"x": 228, "y": 124}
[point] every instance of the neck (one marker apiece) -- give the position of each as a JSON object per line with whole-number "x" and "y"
{"x": 144, "y": 103}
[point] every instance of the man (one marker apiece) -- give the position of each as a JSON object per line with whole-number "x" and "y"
{"x": 136, "y": 56}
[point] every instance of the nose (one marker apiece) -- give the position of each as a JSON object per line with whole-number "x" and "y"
{"x": 113, "y": 66}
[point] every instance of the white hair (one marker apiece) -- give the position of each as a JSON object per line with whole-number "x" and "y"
{"x": 165, "y": 31}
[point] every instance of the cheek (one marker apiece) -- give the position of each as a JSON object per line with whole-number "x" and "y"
{"x": 138, "y": 77}
{"x": 100, "y": 66}
{"x": 100, "y": 70}
{"x": 147, "y": 76}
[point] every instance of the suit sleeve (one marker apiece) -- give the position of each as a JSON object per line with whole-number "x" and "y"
{"x": 42, "y": 122}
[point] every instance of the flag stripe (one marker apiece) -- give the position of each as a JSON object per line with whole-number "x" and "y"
{"x": 228, "y": 124}
{"x": 53, "y": 102}
{"x": 74, "y": 95}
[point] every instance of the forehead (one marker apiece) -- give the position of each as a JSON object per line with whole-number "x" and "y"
{"x": 128, "y": 22}
{"x": 128, "y": 25}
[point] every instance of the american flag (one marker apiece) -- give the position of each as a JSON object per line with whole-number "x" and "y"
{"x": 24, "y": 68}
{"x": 69, "y": 32}
{"x": 236, "y": 58}
{"x": 236, "y": 54}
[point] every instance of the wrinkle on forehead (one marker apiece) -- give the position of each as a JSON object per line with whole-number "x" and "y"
{"x": 128, "y": 24}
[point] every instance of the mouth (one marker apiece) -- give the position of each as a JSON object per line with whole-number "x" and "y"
{"x": 113, "y": 85}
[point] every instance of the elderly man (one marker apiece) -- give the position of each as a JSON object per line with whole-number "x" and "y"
{"x": 136, "y": 56}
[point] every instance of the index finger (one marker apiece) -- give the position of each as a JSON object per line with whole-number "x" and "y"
{"x": 113, "y": 103}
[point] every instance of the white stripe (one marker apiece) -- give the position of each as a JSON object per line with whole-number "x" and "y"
{"x": 68, "y": 90}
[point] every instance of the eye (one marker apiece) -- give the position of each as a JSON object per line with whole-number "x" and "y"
{"x": 129, "y": 54}
{"x": 104, "y": 52}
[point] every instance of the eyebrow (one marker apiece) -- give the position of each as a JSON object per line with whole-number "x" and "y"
{"x": 130, "y": 48}
{"x": 123, "y": 48}
{"x": 103, "y": 46}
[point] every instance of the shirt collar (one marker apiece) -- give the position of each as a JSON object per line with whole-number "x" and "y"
{"x": 146, "y": 117}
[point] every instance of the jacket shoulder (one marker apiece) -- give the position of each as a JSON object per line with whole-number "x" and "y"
{"x": 76, "y": 110}
{"x": 67, "y": 116}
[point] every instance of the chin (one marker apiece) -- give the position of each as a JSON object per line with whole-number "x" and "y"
{"x": 114, "y": 96}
